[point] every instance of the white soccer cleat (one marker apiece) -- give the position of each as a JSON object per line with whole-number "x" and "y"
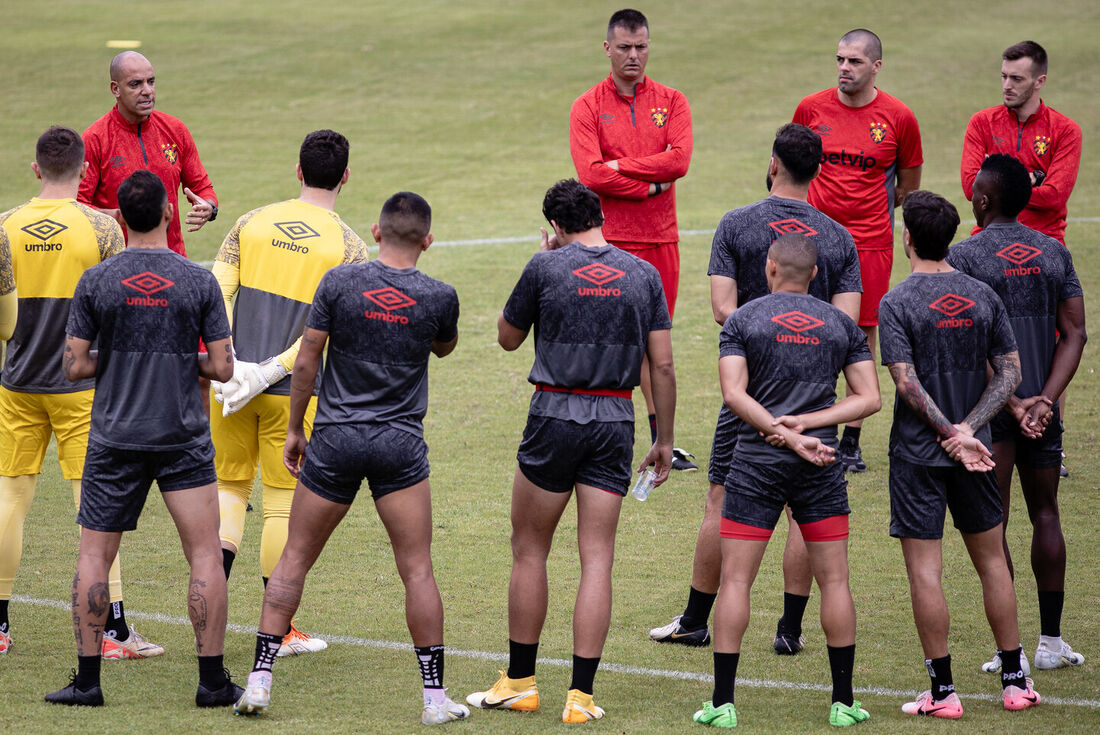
{"x": 1045, "y": 658}
{"x": 296, "y": 642}
{"x": 993, "y": 665}
{"x": 257, "y": 695}
{"x": 443, "y": 712}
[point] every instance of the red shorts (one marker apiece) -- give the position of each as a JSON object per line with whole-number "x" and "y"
{"x": 827, "y": 529}
{"x": 874, "y": 271}
{"x": 665, "y": 257}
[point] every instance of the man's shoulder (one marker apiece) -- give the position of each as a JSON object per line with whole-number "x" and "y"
{"x": 663, "y": 90}
{"x": 165, "y": 120}
{"x": 592, "y": 95}
{"x": 819, "y": 99}
{"x": 99, "y": 127}
{"x": 892, "y": 103}
{"x": 98, "y": 219}
{"x": 1062, "y": 121}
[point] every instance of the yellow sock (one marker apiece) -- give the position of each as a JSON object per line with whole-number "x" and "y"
{"x": 276, "y": 520}
{"x": 16, "y": 494}
{"x": 233, "y": 504}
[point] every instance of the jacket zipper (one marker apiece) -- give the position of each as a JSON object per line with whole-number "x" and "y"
{"x": 142, "y": 144}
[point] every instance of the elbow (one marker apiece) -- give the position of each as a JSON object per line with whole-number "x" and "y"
{"x": 509, "y": 344}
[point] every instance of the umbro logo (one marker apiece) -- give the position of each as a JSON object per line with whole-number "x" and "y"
{"x": 147, "y": 283}
{"x": 792, "y": 226}
{"x": 599, "y": 274}
{"x": 797, "y": 322}
{"x": 389, "y": 299}
{"x": 1017, "y": 253}
{"x": 44, "y": 229}
{"x": 952, "y": 305}
{"x": 297, "y": 230}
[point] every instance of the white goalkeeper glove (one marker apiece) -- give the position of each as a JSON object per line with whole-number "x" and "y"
{"x": 248, "y": 381}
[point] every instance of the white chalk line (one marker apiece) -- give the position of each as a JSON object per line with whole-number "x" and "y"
{"x": 613, "y": 667}
{"x": 533, "y": 238}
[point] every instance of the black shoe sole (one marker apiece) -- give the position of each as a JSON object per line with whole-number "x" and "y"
{"x": 225, "y": 697}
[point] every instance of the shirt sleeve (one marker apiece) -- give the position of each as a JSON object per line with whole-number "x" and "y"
{"x": 320, "y": 316}
{"x": 90, "y": 182}
{"x": 192, "y": 173}
{"x": 522, "y": 308}
{"x": 1061, "y": 172}
{"x": 230, "y": 250}
{"x": 892, "y": 340}
{"x": 672, "y": 163}
{"x": 858, "y": 349}
{"x": 584, "y": 146}
{"x": 82, "y": 321}
{"x": 7, "y": 273}
{"x": 448, "y": 326}
{"x": 974, "y": 150}
{"x": 108, "y": 236}
{"x": 722, "y": 260}
{"x": 910, "y": 153}
{"x": 850, "y": 280}
{"x": 1004, "y": 339}
{"x": 660, "y": 318}
{"x": 355, "y": 250}
{"x": 731, "y": 341}
{"x": 1071, "y": 284}
{"x": 215, "y": 323}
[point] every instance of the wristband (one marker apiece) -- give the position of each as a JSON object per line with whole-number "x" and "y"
{"x": 658, "y": 188}
{"x": 1039, "y": 175}
{"x": 213, "y": 212}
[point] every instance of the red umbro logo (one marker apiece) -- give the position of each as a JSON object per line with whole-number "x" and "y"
{"x": 797, "y": 322}
{"x": 952, "y": 305}
{"x": 599, "y": 274}
{"x": 791, "y": 226}
{"x": 389, "y": 299}
{"x": 1018, "y": 253}
{"x": 147, "y": 283}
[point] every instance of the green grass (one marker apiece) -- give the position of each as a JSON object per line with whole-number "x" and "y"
{"x": 467, "y": 104}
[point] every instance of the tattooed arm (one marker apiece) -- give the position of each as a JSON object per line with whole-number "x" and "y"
{"x": 80, "y": 360}
{"x": 916, "y": 397}
{"x": 217, "y": 362}
{"x": 1006, "y": 376}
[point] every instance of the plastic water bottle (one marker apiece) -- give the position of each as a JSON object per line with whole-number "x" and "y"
{"x": 644, "y": 484}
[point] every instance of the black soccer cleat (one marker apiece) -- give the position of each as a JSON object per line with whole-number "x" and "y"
{"x": 72, "y": 696}
{"x": 681, "y": 460}
{"x": 851, "y": 457}
{"x": 224, "y": 697}
{"x": 787, "y": 644}
{"x": 675, "y": 633}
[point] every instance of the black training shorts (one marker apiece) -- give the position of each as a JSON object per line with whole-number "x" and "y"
{"x": 757, "y": 492}
{"x": 556, "y": 454}
{"x": 920, "y": 495}
{"x": 340, "y": 456}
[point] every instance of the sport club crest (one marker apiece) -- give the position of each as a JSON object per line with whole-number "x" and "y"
{"x": 878, "y": 132}
{"x": 171, "y": 153}
{"x": 659, "y": 116}
{"x": 1040, "y": 145}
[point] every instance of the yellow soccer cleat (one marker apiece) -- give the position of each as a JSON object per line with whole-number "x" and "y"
{"x": 579, "y": 708}
{"x": 521, "y": 695}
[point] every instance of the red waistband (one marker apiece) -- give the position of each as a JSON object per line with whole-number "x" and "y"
{"x": 616, "y": 392}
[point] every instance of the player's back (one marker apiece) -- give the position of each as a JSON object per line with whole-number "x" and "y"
{"x": 53, "y": 241}
{"x": 381, "y": 322}
{"x": 741, "y": 241}
{"x": 282, "y": 251}
{"x": 1032, "y": 274}
{"x": 795, "y": 346}
{"x": 148, "y": 309}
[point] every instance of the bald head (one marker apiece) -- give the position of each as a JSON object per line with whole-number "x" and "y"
{"x": 124, "y": 60}
{"x": 872, "y": 45}
{"x": 794, "y": 260}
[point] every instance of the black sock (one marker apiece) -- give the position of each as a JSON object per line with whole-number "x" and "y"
{"x": 212, "y": 672}
{"x": 842, "y": 660}
{"x": 521, "y": 659}
{"x": 115, "y": 626}
{"x": 584, "y": 673}
{"x": 725, "y": 674}
{"x": 87, "y": 672}
{"x": 1050, "y": 612}
{"x": 266, "y": 647}
{"x": 430, "y": 659}
{"x": 939, "y": 670}
{"x": 698, "y": 610}
{"x": 227, "y": 561}
{"x": 1012, "y": 671}
{"x": 851, "y": 434}
{"x": 794, "y": 608}
{"x": 4, "y": 616}
{"x": 652, "y": 428}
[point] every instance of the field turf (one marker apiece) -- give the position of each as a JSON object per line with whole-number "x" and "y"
{"x": 466, "y": 103}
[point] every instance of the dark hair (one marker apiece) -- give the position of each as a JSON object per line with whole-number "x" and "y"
{"x": 627, "y": 19}
{"x": 799, "y": 150}
{"x": 932, "y": 222}
{"x": 796, "y": 256}
{"x": 59, "y": 153}
{"x": 1010, "y": 182}
{"x": 872, "y": 44}
{"x": 323, "y": 158}
{"x": 1028, "y": 50}
{"x": 574, "y": 206}
{"x": 141, "y": 198}
{"x": 406, "y": 219}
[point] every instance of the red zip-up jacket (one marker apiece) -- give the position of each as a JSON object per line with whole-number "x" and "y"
{"x": 114, "y": 148}
{"x": 649, "y": 134}
{"x": 1048, "y": 141}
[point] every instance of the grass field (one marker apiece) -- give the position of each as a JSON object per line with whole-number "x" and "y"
{"x": 466, "y": 103}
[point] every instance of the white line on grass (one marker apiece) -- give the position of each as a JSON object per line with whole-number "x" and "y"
{"x": 617, "y": 668}
{"x": 532, "y": 238}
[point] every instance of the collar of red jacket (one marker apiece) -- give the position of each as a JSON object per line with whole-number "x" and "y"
{"x": 638, "y": 88}
{"x": 1039, "y": 114}
{"x": 118, "y": 119}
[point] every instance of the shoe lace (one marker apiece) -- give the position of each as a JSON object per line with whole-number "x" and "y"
{"x": 295, "y": 633}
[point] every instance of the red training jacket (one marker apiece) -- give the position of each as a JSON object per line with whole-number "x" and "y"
{"x": 114, "y": 148}
{"x": 1048, "y": 141}
{"x": 649, "y": 134}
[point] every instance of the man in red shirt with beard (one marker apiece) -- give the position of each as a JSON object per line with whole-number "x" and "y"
{"x": 630, "y": 138}
{"x": 132, "y": 136}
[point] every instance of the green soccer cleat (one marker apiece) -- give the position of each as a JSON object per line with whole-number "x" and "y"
{"x": 722, "y": 716}
{"x": 841, "y": 715}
